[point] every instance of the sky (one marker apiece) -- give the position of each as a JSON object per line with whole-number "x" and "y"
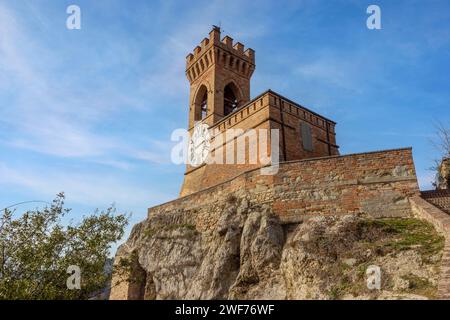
{"x": 90, "y": 112}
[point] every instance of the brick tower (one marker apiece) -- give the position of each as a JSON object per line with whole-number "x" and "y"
{"x": 219, "y": 74}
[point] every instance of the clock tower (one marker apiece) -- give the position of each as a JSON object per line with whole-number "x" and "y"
{"x": 232, "y": 133}
{"x": 219, "y": 74}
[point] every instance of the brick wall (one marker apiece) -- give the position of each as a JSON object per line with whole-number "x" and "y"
{"x": 291, "y": 115}
{"x": 376, "y": 183}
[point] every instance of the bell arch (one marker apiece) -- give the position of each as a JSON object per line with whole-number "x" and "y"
{"x": 231, "y": 98}
{"x": 201, "y": 103}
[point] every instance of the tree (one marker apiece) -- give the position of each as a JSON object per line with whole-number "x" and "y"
{"x": 443, "y": 141}
{"x": 36, "y": 250}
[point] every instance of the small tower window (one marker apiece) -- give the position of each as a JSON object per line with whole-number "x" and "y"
{"x": 230, "y": 102}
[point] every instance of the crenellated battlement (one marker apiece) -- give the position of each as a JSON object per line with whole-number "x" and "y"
{"x": 223, "y": 52}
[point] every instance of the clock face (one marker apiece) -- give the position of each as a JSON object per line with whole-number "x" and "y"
{"x": 199, "y": 145}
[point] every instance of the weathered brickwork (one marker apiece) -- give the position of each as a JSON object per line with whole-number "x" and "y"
{"x": 376, "y": 183}
{"x": 441, "y": 221}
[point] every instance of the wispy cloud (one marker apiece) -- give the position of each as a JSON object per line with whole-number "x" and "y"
{"x": 50, "y": 116}
{"x": 82, "y": 188}
{"x": 333, "y": 70}
{"x": 50, "y": 109}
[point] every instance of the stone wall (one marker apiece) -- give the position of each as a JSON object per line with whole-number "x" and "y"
{"x": 375, "y": 183}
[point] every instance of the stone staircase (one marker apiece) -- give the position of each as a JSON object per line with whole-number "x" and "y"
{"x": 434, "y": 206}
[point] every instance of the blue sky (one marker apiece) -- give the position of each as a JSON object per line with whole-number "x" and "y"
{"x": 90, "y": 111}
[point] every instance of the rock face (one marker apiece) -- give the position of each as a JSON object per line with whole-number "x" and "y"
{"x": 246, "y": 253}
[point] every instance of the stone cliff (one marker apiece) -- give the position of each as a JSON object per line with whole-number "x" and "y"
{"x": 250, "y": 254}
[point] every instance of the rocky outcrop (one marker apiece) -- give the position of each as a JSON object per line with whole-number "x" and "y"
{"x": 443, "y": 179}
{"x": 245, "y": 252}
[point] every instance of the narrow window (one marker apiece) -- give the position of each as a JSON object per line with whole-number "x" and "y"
{"x": 230, "y": 102}
{"x": 204, "y": 106}
{"x": 201, "y": 104}
{"x": 306, "y": 136}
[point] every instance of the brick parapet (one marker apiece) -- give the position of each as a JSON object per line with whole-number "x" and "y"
{"x": 213, "y": 50}
{"x": 377, "y": 183}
